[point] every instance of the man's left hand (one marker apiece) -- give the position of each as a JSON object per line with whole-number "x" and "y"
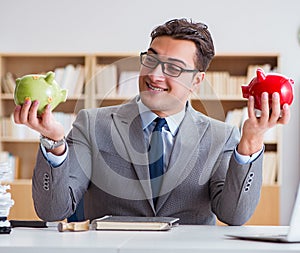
{"x": 254, "y": 128}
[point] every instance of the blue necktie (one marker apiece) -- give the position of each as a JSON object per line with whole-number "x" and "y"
{"x": 156, "y": 155}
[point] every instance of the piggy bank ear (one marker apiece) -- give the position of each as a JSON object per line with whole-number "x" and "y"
{"x": 260, "y": 75}
{"x": 18, "y": 81}
{"x": 49, "y": 77}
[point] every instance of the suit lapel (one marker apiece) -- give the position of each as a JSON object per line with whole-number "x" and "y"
{"x": 182, "y": 157}
{"x": 129, "y": 126}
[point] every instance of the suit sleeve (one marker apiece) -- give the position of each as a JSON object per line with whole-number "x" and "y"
{"x": 57, "y": 190}
{"x": 234, "y": 187}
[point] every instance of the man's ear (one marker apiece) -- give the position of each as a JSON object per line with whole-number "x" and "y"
{"x": 198, "y": 78}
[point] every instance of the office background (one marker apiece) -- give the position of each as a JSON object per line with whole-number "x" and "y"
{"x": 257, "y": 26}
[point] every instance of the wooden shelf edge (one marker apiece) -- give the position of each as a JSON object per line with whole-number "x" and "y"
{"x": 17, "y": 140}
{"x": 18, "y": 182}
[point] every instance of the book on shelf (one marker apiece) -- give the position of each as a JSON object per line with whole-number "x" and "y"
{"x": 251, "y": 70}
{"x": 8, "y": 83}
{"x": 270, "y": 168}
{"x": 110, "y": 222}
{"x": 234, "y": 85}
{"x": 106, "y": 80}
{"x": 59, "y": 75}
{"x": 221, "y": 83}
{"x": 128, "y": 84}
{"x": 10, "y": 129}
{"x": 71, "y": 78}
{"x": 79, "y": 80}
{"x": 237, "y": 117}
{"x": 66, "y": 119}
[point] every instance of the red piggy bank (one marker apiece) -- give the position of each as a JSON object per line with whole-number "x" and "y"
{"x": 269, "y": 83}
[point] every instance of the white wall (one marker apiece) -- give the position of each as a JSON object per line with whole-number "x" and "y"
{"x": 124, "y": 25}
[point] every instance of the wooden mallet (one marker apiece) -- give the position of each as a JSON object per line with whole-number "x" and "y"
{"x": 73, "y": 226}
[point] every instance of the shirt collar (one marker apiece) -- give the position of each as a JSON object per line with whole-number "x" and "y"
{"x": 148, "y": 116}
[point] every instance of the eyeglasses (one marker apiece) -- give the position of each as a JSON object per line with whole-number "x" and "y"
{"x": 168, "y": 68}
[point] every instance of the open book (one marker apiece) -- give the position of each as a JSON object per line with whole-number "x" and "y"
{"x": 110, "y": 222}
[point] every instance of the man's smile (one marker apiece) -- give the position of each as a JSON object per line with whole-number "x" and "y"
{"x": 155, "y": 88}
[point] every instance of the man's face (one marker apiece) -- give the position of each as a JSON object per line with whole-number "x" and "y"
{"x": 163, "y": 94}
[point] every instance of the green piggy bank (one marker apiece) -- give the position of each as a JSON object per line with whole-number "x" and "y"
{"x": 39, "y": 87}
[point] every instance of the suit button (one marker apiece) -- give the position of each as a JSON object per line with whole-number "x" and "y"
{"x": 46, "y": 186}
{"x": 46, "y": 180}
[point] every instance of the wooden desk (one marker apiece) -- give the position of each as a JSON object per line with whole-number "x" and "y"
{"x": 179, "y": 239}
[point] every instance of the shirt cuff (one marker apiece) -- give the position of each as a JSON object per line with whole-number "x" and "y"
{"x": 245, "y": 159}
{"x": 54, "y": 160}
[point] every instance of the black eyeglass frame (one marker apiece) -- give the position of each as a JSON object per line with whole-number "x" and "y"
{"x": 162, "y": 63}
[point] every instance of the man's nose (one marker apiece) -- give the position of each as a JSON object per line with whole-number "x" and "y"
{"x": 157, "y": 72}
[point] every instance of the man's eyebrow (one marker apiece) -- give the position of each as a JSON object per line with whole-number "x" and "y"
{"x": 152, "y": 50}
{"x": 169, "y": 58}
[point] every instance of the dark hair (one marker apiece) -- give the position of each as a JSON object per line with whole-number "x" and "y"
{"x": 188, "y": 30}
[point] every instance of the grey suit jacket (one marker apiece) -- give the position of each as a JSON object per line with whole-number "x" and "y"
{"x": 107, "y": 163}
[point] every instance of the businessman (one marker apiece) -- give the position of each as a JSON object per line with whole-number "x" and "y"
{"x": 155, "y": 155}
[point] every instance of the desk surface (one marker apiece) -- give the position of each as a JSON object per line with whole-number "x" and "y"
{"x": 179, "y": 239}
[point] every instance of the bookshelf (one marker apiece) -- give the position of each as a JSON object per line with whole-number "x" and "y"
{"x": 111, "y": 79}
{"x": 123, "y": 85}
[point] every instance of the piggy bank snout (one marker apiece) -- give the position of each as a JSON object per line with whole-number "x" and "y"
{"x": 245, "y": 91}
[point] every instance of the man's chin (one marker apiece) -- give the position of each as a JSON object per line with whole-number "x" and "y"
{"x": 159, "y": 104}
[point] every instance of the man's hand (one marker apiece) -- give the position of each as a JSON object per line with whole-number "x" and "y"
{"x": 254, "y": 128}
{"x": 45, "y": 124}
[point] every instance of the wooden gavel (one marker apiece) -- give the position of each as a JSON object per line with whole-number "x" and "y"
{"x": 73, "y": 226}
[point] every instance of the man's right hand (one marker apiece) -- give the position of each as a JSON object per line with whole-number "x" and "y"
{"x": 45, "y": 124}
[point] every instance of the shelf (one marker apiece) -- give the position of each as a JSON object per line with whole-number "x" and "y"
{"x": 72, "y": 105}
{"x": 217, "y": 108}
{"x": 20, "y": 141}
{"x": 237, "y": 64}
{"x": 39, "y": 63}
{"x": 209, "y": 100}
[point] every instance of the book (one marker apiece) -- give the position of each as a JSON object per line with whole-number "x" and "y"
{"x": 68, "y": 78}
{"x": 79, "y": 80}
{"x": 59, "y": 75}
{"x": 128, "y": 86}
{"x": 251, "y": 70}
{"x": 270, "y": 168}
{"x": 9, "y": 83}
{"x": 71, "y": 77}
{"x": 110, "y": 222}
{"x": 106, "y": 80}
{"x": 236, "y": 117}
